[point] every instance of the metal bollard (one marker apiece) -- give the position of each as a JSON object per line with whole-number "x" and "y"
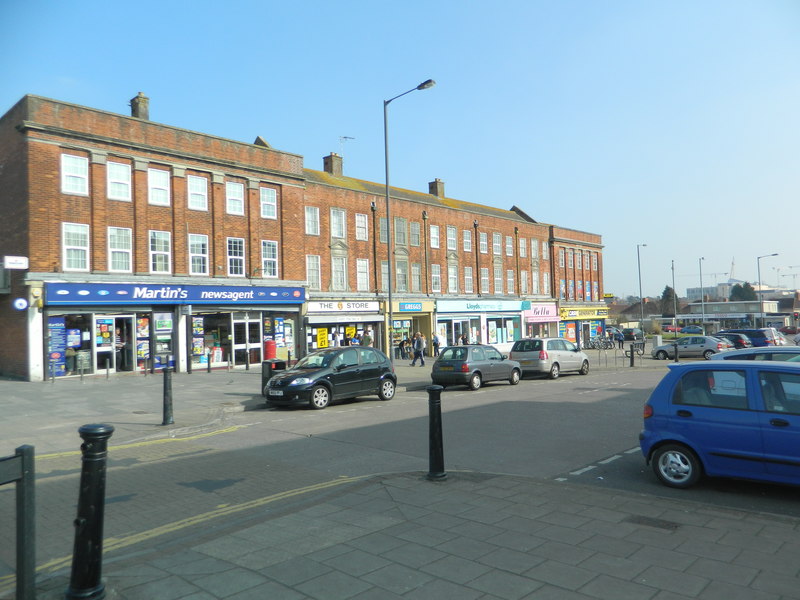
{"x": 167, "y": 420}
{"x": 676, "y": 351}
{"x": 632, "y": 354}
{"x": 436, "y": 470}
{"x": 87, "y": 555}
{"x": 52, "y": 371}
{"x": 208, "y": 363}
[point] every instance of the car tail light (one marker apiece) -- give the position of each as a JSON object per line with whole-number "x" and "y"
{"x": 464, "y": 368}
{"x": 648, "y": 411}
{"x": 543, "y": 355}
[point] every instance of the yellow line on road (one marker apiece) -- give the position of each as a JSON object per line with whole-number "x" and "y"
{"x": 110, "y": 544}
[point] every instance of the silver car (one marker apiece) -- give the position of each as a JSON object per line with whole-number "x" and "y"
{"x": 549, "y": 356}
{"x": 694, "y": 345}
{"x": 787, "y": 353}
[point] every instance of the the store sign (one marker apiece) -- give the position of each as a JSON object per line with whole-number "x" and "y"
{"x": 410, "y": 306}
{"x": 15, "y": 262}
{"x": 59, "y": 294}
{"x": 478, "y": 305}
{"x": 337, "y": 306}
{"x": 583, "y": 313}
{"x": 541, "y": 313}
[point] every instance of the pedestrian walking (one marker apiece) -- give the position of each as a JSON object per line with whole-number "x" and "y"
{"x": 418, "y": 345}
{"x": 436, "y": 343}
{"x": 620, "y": 339}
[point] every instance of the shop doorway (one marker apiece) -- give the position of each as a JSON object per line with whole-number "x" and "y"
{"x": 113, "y": 343}
{"x": 246, "y": 338}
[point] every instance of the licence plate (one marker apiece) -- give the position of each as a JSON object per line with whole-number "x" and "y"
{"x": 446, "y": 368}
{"x": 276, "y": 392}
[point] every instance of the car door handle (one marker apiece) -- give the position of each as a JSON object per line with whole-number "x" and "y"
{"x": 684, "y": 413}
{"x": 779, "y": 422}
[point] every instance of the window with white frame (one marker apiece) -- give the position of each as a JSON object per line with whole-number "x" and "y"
{"x": 338, "y": 273}
{"x": 234, "y": 198}
{"x": 498, "y": 279}
{"x": 484, "y": 280}
{"x": 120, "y": 249}
{"x": 198, "y": 192}
{"x": 269, "y": 258}
{"x": 452, "y": 238}
{"x": 401, "y": 275}
{"x": 509, "y": 246}
{"x": 466, "y": 235}
{"x": 268, "y": 199}
{"x": 534, "y": 282}
{"x": 534, "y": 248}
{"x": 384, "y": 274}
{"x": 436, "y": 278}
{"x": 416, "y": 277}
{"x": 510, "y": 283}
{"x": 594, "y": 261}
{"x": 160, "y": 251}
{"x": 75, "y": 246}
{"x": 570, "y": 263}
{"x": 452, "y": 279}
{"x": 383, "y": 234}
{"x": 434, "y": 229}
{"x": 545, "y": 251}
{"x": 338, "y": 223}
{"x": 362, "y": 227}
{"x": 74, "y": 175}
{"x": 561, "y": 257}
{"x": 198, "y": 254}
{"x": 586, "y": 260}
{"x": 362, "y": 274}
{"x": 118, "y": 180}
{"x": 523, "y": 247}
{"x": 236, "y": 257}
{"x": 497, "y": 244}
{"x": 158, "y": 187}
{"x": 483, "y": 242}
{"x": 468, "y": 284}
{"x": 414, "y": 233}
{"x": 312, "y": 220}
{"x": 400, "y": 231}
{"x": 523, "y": 283}
{"x": 546, "y": 284}
{"x": 313, "y": 274}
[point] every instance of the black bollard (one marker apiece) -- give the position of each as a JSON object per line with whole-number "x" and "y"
{"x": 167, "y": 420}
{"x": 676, "y": 352}
{"x": 436, "y": 451}
{"x": 87, "y": 555}
{"x": 632, "y": 353}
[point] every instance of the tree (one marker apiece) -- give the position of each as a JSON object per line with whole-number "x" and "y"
{"x": 743, "y": 292}
{"x": 667, "y": 302}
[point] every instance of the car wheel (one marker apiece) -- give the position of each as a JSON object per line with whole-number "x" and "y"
{"x": 584, "y": 368}
{"x": 515, "y": 377}
{"x": 320, "y": 397}
{"x": 677, "y": 466}
{"x": 475, "y": 381}
{"x": 661, "y": 355}
{"x": 708, "y": 354}
{"x": 554, "y": 371}
{"x": 386, "y": 391}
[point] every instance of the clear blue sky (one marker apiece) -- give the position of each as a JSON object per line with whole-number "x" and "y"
{"x": 674, "y": 124}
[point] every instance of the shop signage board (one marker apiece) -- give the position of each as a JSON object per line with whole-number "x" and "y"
{"x": 63, "y": 294}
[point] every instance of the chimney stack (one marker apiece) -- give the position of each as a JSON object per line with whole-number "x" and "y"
{"x": 436, "y": 188}
{"x": 140, "y": 107}
{"x": 332, "y": 164}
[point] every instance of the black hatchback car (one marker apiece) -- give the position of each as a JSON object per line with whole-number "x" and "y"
{"x": 333, "y": 374}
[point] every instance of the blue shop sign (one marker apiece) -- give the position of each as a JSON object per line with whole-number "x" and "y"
{"x": 61, "y": 294}
{"x": 410, "y": 306}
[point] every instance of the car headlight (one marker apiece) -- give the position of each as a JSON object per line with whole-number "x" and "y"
{"x": 301, "y": 381}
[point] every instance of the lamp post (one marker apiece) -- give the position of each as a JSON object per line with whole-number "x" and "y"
{"x": 422, "y": 86}
{"x": 702, "y": 296}
{"x": 760, "y": 290}
{"x": 674, "y": 302}
{"x": 641, "y": 298}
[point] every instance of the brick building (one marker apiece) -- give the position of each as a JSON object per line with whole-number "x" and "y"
{"x": 146, "y": 242}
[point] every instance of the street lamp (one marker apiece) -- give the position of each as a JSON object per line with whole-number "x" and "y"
{"x": 760, "y": 290}
{"x": 702, "y": 296}
{"x": 674, "y": 303}
{"x": 422, "y": 86}
{"x": 641, "y": 299}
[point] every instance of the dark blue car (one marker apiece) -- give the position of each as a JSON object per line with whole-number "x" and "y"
{"x": 724, "y": 419}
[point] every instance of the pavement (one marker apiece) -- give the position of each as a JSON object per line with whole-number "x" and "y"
{"x": 469, "y": 535}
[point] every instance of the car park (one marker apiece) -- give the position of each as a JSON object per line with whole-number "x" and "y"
{"x": 759, "y": 337}
{"x": 693, "y": 329}
{"x": 786, "y": 353}
{"x": 739, "y": 340}
{"x": 737, "y": 419}
{"x": 633, "y": 334}
{"x": 692, "y": 346}
{"x": 549, "y": 356}
{"x": 333, "y": 374}
{"x": 473, "y": 365}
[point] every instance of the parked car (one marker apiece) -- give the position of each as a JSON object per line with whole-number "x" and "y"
{"x": 692, "y": 329}
{"x": 695, "y": 345}
{"x": 788, "y": 353}
{"x": 724, "y": 419}
{"x": 473, "y": 366}
{"x": 333, "y": 374}
{"x": 739, "y": 340}
{"x": 611, "y": 330}
{"x": 633, "y": 334}
{"x": 670, "y": 328}
{"x": 789, "y": 330}
{"x": 550, "y": 356}
{"x": 760, "y": 337}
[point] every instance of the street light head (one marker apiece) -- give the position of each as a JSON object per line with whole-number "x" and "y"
{"x": 428, "y": 83}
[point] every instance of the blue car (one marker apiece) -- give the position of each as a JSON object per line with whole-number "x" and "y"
{"x": 729, "y": 418}
{"x": 692, "y": 329}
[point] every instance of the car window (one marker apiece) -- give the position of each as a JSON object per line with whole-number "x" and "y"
{"x": 454, "y": 353}
{"x": 718, "y": 389}
{"x": 780, "y": 391}
{"x": 368, "y": 356}
{"x": 527, "y": 346}
{"x": 347, "y": 358}
{"x": 569, "y": 345}
{"x": 493, "y": 354}
{"x": 555, "y": 345}
{"x": 478, "y": 354}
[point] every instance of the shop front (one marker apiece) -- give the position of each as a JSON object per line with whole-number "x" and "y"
{"x": 495, "y": 322}
{"x": 342, "y": 323}
{"x": 579, "y": 324}
{"x": 409, "y": 318}
{"x": 117, "y": 327}
{"x": 541, "y": 319}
